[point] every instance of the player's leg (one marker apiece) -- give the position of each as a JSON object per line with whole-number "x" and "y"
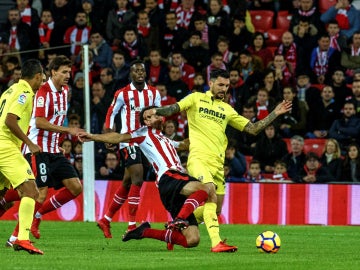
{"x": 118, "y": 200}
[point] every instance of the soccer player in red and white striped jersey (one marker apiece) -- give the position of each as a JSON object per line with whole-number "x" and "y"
{"x": 51, "y": 167}
{"x": 129, "y": 101}
{"x": 180, "y": 193}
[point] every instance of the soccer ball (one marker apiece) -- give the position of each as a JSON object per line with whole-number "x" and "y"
{"x": 268, "y": 242}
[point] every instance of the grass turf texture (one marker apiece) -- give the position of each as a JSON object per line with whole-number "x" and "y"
{"x": 81, "y": 245}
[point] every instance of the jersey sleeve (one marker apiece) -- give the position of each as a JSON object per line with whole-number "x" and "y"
{"x": 138, "y": 136}
{"x": 40, "y": 104}
{"x": 157, "y": 101}
{"x": 187, "y": 102}
{"x": 114, "y": 108}
{"x": 237, "y": 121}
{"x": 20, "y": 103}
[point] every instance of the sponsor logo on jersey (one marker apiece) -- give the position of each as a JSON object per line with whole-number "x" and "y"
{"x": 57, "y": 112}
{"x": 211, "y": 112}
{"x": 40, "y": 102}
{"x": 136, "y": 109}
{"x": 29, "y": 172}
{"x": 22, "y": 99}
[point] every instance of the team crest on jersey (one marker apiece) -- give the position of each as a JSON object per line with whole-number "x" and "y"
{"x": 43, "y": 178}
{"x": 29, "y": 172}
{"x": 22, "y": 99}
{"x": 40, "y": 102}
{"x": 133, "y": 156}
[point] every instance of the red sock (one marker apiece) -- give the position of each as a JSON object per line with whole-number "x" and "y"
{"x": 134, "y": 199}
{"x": 120, "y": 197}
{"x": 56, "y": 201}
{"x": 191, "y": 203}
{"x": 168, "y": 236}
{"x": 16, "y": 230}
{"x": 11, "y": 195}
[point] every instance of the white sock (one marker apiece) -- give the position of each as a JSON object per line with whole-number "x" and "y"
{"x": 108, "y": 218}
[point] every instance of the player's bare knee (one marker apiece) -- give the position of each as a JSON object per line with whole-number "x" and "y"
{"x": 193, "y": 241}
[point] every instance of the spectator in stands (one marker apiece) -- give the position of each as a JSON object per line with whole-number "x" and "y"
{"x": 308, "y": 10}
{"x": 283, "y": 71}
{"x": 324, "y": 60}
{"x": 305, "y": 92}
{"x": 293, "y": 54}
{"x": 102, "y": 53}
{"x": 239, "y": 37}
{"x": 133, "y": 45}
{"x": 253, "y": 174}
{"x": 222, "y": 45}
{"x": 216, "y": 63}
{"x": 236, "y": 162}
{"x": 111, "y": 169}
{"x": 118, "y": 19}
{"x": 45, "y": 29}
{"x": 238, "y": 93}
{"x": 120, "y": 69}
{"x": 339, "y": 86}
{"x": 199, "y": 24}
{"x": 347, "y": 17}
{"x": 321, "y": 117}
{"x": 78, "y": 87}
{"x": 293, "y": 122}
{"x": 176, "y": 87}
{"x": 66, "y": 145}
{"x": 148, "y": 32}
{"x": 156, "y": 68}
{"x": 19, "y": 35}
{"x": 269, "y": 148}
{"x": 184, "y": 13}
{"x": 355, "y": 97}
{"x": 200, "y": 84}
{"x": 166, "y": 100}
{"x": 264, "y": 104}
{"x": 331, "y": 158}
{"x": 346, "y": 129}
{"x": 94, "y": 68}
{"x": 273, "y": 5}
{"x": 350, "y": 57}
{"x": 258, "y": 48}
{"x": 77, "y": 35}
{"x": 187, "y": 71}
{"x": 28, "y": 14}
{"x": 273, "y": 86}
{"x": 351, "y": 165}
{"x": 295, "y": 160}
{"x": 78, "y": 165}
{"x": 196, "y": 52}
{"x": 63, "y": 9}
{"x": 280, "y": 171}
{"x": 218, "y": 22}
{"x": 171, "y": 37}
{"x": 313, "y": 172}
{"x": 333, "y": 30}
{"x": 93, "y": 16}
{"x": 155, "y": 13}
{"x": 15, "y": 76}
{"x": 170, "y": 129}
{"x": 98, "y": 107}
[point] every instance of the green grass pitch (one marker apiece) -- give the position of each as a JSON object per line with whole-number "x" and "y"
{"x": 81, "y": 245}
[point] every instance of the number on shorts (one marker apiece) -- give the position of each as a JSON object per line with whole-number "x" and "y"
{"x": 42, "y": 167}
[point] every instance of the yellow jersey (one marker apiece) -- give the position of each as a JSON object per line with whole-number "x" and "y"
{"x": 207, "y": 119}
{"x": 18, "y": 100}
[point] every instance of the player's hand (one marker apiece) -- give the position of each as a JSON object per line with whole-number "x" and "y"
{"x": 74, "y": 131}
{"x": 284, "y": 107}
{"x": 83, "y": 136}
{"x": 34, "y": 149}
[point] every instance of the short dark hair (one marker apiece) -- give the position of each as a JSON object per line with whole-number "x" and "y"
{"x": 141, "y": 116}
{"x": 219, "y": 73}
{"x": 137, "y": 61}
{"x": 30, "y": 68}
{"x": 312, "y": 155}
{"x": 58, "y": 61}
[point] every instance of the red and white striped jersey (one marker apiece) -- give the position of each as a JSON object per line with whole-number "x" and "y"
{"x": 52, "y": 105}
{"x": 129, "y": 101}
{"x": 158, "y": 149}
{"x": 75, "y": 36}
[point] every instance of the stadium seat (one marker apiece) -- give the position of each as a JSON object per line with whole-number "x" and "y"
{"x": 274, "y": 37}
{"x": 283, "y": 20}
{"x": 314, "y": 145}
{"x": 324, "y": 5}
{"x": 262, "y": 19}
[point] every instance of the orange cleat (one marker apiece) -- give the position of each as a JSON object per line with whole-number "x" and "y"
{"x": 27, "y": 246}
{"x": 223, "y": 247}
{"x": 104, "y": 225}
{"x": 35, "y": 228}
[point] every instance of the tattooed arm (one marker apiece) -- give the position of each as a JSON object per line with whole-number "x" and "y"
{"x": 168, "y": 110}
{"x": 255, "y": 128}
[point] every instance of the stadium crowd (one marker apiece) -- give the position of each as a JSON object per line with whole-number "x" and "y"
{"x": 314, "y": 61}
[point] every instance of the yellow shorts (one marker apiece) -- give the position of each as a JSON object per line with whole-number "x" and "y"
{"x": 208, "y": 172}
{"x": 14, "y": 169}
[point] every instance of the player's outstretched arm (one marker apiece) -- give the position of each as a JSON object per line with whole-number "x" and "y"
{"x": 112, "y": 137}
{"x": 167, "y": 110}
{"x": 257, "y": 127}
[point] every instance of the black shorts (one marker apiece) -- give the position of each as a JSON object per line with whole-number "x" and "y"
{"x": 132, "y": 155}
{"x": 51, "y": 169}
{"x": 170, "y": 185}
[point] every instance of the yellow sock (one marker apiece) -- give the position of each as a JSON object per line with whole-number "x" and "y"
{"x": 199, "y": 214}
{"x": 212, "y": 223}
{"x": 26, "y": 214}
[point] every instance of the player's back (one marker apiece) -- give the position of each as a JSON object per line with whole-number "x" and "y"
{"x": 16, "y": 100}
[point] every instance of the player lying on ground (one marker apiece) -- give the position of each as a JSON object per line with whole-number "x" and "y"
{"x": 180, "y": 193}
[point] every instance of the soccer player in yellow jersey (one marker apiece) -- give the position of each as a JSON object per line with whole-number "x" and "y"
{"x": 208, "y": 115}
{"x": 16, "y": 105}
